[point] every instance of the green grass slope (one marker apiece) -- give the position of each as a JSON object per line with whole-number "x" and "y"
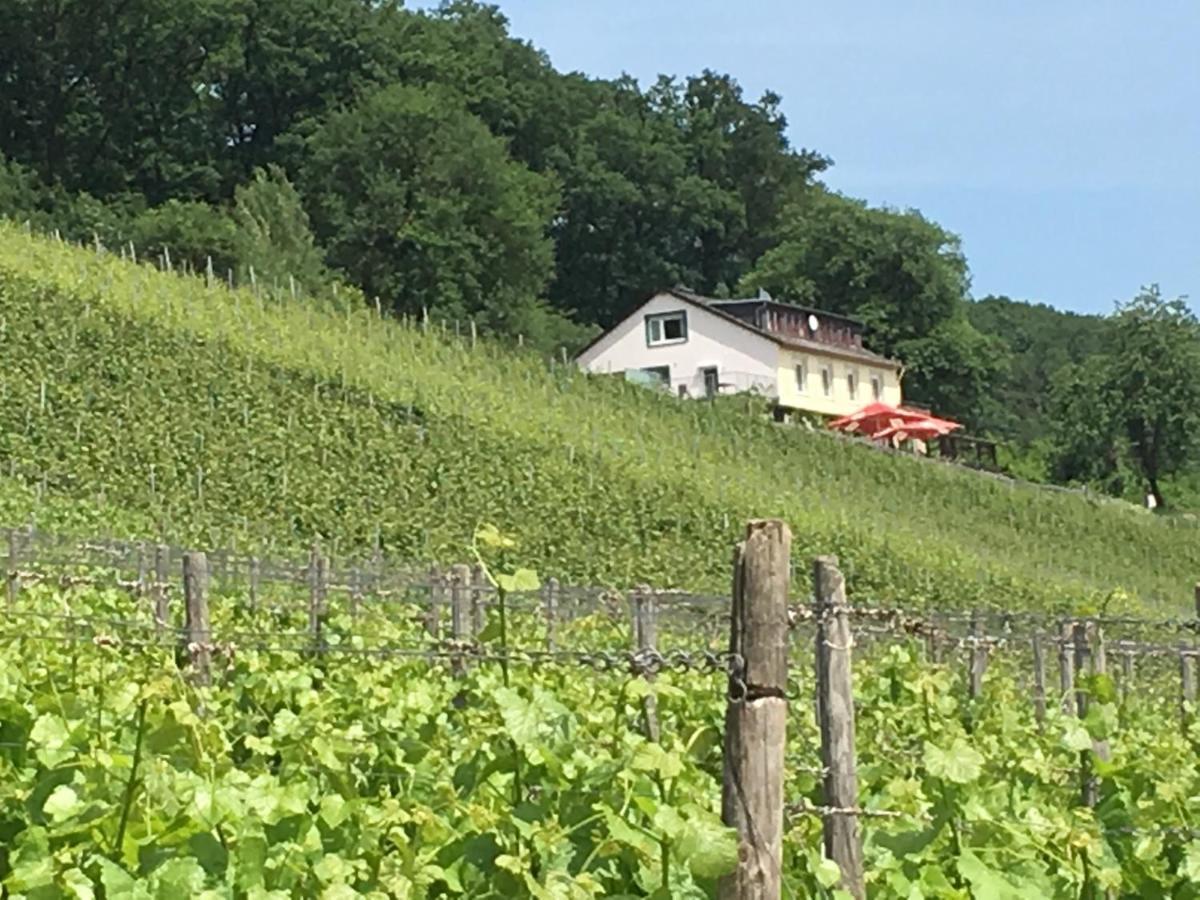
{"x": 209, "y": 416}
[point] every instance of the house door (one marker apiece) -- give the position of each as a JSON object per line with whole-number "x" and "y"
{"x": 711, "y": 383}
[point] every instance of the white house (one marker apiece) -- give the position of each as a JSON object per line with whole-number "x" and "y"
{"x": 803, "y": 359}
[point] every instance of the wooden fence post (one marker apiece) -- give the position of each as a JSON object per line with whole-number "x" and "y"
{"x": 198, "y": 633}
{"x": 356, "y": 592}
{"x": 13, "y": 577}
{"x": 143, "y": 576}
{"x": 479, "y": 584}
{"x": 550, "y": 611}
{"x": 254, "y": 576}
{"x": 433, "y": 616}
{"x": 1039, "y": 680}
{"x": 1187, "y": 685}
{"x": 1088, "y": 661}
{"x": 161, "y": 587}
{"x": 318, "y": 582}
{"x": 835, "y": 693}
{"x": 978, "y": 655}
{"x": 756, "y": 713}
{"x": 645, "y": 640}
{"x": 460, "y": 614}
{"x": 1126, "y": 672}
{"x": 1066, "y": 671}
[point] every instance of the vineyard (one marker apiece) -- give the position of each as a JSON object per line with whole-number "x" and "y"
{"x": 339, "y": 716}
{"x": 344, "y": 731}
{"x": 172, "y": 407}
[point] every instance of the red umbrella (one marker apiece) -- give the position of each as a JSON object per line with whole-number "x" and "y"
{"x": 924, "y": 430}
{"x": 867, "y": 419}
{"x": 875, "y": 417}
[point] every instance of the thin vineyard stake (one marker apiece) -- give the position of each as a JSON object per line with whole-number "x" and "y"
{"x": 460, "y": 614}
{"x": 13, "y": 578}
{"x": 161, "y": 589}
{"x": 1100, "y": 670}
{"x": 835, "y": 693}
{"x": 142, "y": 574}
{"x": 756, "y": 711}
{"x": 255, "y": 575}
{"x": 318, "y": 580}
{"x": 645, "y": 640}
{"x": 1066, "y": 672}
{"x": 1039, "y": 681}
{"x": 1126, "y": 673}
{"x": 433, "y": 617}
{"x": 356, "y": 592}
{"x": 1187, "y": 684}
{"x": 1086, "y": 664}
{"x": 479, "y": 584}
{"x": 978, "y": 656}
{"x": 550, "y": 611}
{"x": 198, "y": 633}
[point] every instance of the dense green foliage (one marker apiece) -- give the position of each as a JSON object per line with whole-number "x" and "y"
{"x": 218, "y": 415}
{"x": 447, "y": 166}
{"x": 1039, "y": 341}
{"x": 370, "y": 770}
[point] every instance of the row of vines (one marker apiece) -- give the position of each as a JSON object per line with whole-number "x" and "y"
{"x": 371, "y": 768}
{"x": 216, "y": 417}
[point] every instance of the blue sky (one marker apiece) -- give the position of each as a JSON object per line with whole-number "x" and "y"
{"x": 1060, "y": 139}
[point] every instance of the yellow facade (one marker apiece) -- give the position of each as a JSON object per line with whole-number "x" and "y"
{"x": 834, "y": 385}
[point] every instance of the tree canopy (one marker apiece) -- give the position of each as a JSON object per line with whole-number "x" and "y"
{"x": 436, "y": 162}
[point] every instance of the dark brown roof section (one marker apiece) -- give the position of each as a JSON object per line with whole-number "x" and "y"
{"x": 713, "y": 306}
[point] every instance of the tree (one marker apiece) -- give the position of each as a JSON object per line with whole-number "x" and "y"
{"x": 192, "y": 232}
{"x": 1085, "y": 440}
{"x": 1155, "y": 358}
{"x": 422, "y": 207}
{"x": 114, "y": 96}
{"x": 274, "y": 233}
{"x": 1133, "y": 411}
{"x": 1040, "y": 341}
{"x": 902, "y": 275}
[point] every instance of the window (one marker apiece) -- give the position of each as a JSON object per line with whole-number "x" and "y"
{"x": 802, "y": 377}
{"x": 827, "y": 381}
{"x": 876, "y": 386}
{"x": 666, "y": 328}
{"x": 852, "y": 383}
{"x": 657, "y": 376}
{"x": 712, "y": 384}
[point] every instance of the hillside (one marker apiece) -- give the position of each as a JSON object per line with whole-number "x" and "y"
{"x": 214, "y": 417}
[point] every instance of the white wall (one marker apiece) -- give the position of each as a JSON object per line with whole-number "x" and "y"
{"x": 712, "y": 341}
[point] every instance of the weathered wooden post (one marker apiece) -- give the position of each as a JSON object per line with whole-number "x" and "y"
{"x": 645, "y": 642}
{"x": 356, "y": 592}
{"x": 479, "y": 586}
{"x": 1126, "y": 672}
{"x": 1039, "y": 680}
{"x": 756, "y": 714}
{"x": 13, "y": 577}
{"x": 460, "y": 614}
{"x": 433, "y": 616}
{"x": 161, "y": 587}
{"x": 1187, "y": 687}
{"x": 978, "y": 656}
{"x": 254, "y": 576}
{"x": 1066, "y": 671}
{"x": 197, "y": 631}
{"x": 835, "y": 693}
{"x": 550, "y": 611}
{"x": 1089, "y": 662}
{"x": 318, "y": 582}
